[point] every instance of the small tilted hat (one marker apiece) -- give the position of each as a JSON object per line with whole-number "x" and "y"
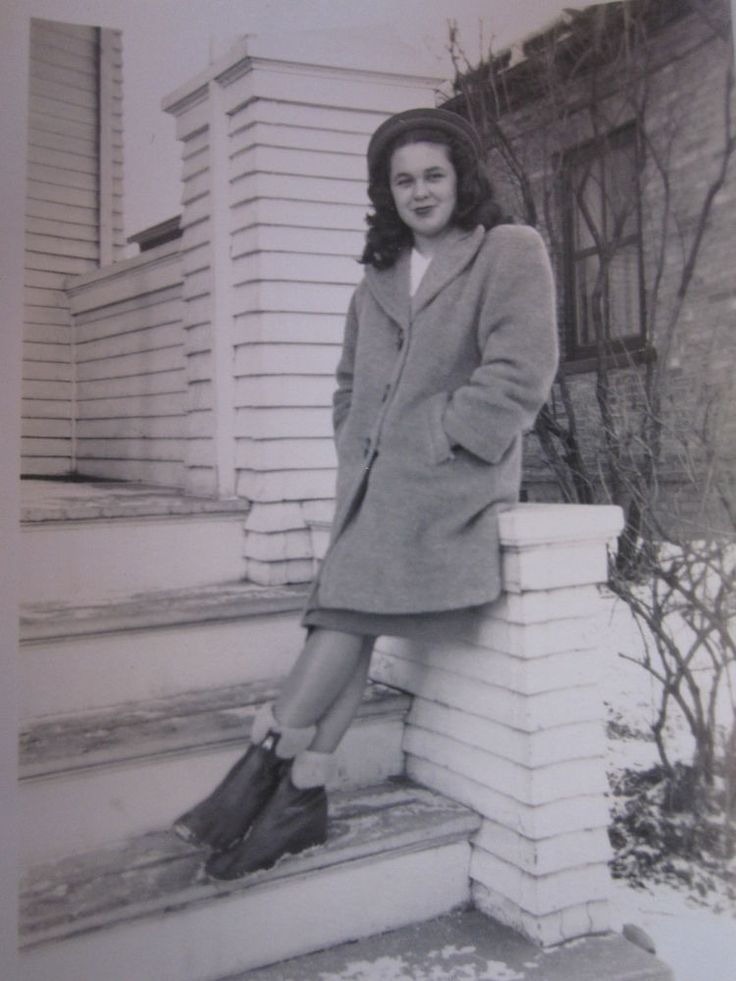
{"x": 403, "y": 122}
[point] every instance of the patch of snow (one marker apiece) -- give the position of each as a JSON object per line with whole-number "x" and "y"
{"x": 697, "y": 944}
{"x": 453, "y": 951}
{"x": 382, "y": 969}
{"x": 498, "y": 971}
{"x": 397, "y": 969}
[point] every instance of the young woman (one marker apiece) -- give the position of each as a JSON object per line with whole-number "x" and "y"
{"x": 449, "y": 352}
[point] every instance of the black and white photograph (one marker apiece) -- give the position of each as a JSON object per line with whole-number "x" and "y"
{"x": 368, "y": 499}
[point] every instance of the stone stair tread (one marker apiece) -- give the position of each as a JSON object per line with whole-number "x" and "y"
{"x": 58, "y": 500}
{"x": 158, "y": 608}
{"x": 157, "y": 874}
{"x": 175, "y": 724}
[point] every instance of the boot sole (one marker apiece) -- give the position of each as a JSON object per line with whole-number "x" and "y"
{"x": 288, "y": 850}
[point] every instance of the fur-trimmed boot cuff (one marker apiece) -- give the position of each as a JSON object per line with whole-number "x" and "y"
{"x": 311, "y": 769}
{"x": 292, "y": 739}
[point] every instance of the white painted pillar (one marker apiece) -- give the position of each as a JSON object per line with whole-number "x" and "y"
{"x": 274, "y": 138}
{"x": 508, "y": 718}
{"x": 201, "y": 127}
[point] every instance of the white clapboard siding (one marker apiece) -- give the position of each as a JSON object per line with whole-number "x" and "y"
{"x": 61, "y": 195}
{"x": 298, "y": 201}
{"x": 46, "y": 315}
{"x": 297, "y": 188}
{"x": 295, "y": 268}
{"x": 289, "y": 328}
{"x": 81, "y": 159}
{"x": 53, "y": 245}
{"x": 274, "y": 203}
{"x": 61, "y": 234}
{"x": 43, "y": 335}
{"x": 46, "y": 408}
{"x": 307, "y": 163}
{"x": 299, "y": 214}
{"x": 44, "y": 428}
{"x": 66, "y": 205}
{"x": 282, "y": 423}
{"x": 327, "y": 119}
{"x": 155, "y": 472}
{"x": 279, "y": 238}
{"x": 251, "y": 132}
{"x": 131, "y": 369}
{"x": 73, "y": 148}
{"x": 82, "y": 231}
{"x": 293, "y": 297}
{"x": 46, "y": 437}
{"x": 47, "y": 370}
{"x": 266, "y": 455}
{"x": 278, "y": 359}
{"x": 287, "y": 485}
{"x": 138, "y": 313}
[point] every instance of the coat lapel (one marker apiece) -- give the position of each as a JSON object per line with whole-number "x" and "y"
{"x": 390, "y": 287}
{"x": 449, "y": 262}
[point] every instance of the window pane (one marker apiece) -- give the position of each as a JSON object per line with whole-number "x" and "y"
{"x": 586, "y": 272}
{"x": 619, "y": 297}
{"x": 621, "y": 191}
{"x": 588, "y": 205}
{"x": 603, "y": 230}
{"x": 623, "y": 293}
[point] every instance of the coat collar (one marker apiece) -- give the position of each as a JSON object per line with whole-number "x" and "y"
{"x": 390, "y": 287}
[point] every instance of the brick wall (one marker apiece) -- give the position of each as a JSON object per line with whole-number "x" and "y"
{"x": 684, "y": 123}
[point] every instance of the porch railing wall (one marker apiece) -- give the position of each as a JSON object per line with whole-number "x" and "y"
{"x": 129, "y": 369}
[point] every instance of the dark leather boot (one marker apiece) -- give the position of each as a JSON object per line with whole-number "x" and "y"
{"x": 221, "y": 820}
{"x": 293, "y": 820}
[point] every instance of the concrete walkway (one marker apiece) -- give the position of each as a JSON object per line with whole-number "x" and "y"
{"x": 467, "y": 946}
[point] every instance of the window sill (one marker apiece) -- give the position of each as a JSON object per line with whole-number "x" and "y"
{"x": 614, "y": 360}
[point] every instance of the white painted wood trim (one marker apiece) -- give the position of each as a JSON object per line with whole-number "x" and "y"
{"x": 221, "y": 313}
{"x": 106, "y": 191}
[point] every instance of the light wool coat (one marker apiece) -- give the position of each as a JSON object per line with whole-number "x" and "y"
{"x": 433, "y": 396}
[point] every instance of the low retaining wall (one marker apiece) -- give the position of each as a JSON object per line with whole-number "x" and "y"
{"x": 508, "y": 719}
{"x": 131, "y": 419}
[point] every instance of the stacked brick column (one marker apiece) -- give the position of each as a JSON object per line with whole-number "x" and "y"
{"x": 508, "y": 719}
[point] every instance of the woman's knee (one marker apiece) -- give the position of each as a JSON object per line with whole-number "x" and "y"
{"x": 337, "y": 642}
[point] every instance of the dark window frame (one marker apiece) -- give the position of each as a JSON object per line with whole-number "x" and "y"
{"x": 623, "y": 350}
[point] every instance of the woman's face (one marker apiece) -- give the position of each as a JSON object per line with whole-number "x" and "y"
{"x": 424, "y": 188}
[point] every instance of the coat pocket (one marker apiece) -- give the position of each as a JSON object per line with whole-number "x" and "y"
{"x": 439, "y": 445}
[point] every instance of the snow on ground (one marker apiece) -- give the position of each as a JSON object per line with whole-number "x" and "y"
{"x": 694, "y": 934}
{"x": 698, "y": 944}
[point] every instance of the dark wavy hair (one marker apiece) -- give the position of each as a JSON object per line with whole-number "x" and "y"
{"x": 387, "y": 234}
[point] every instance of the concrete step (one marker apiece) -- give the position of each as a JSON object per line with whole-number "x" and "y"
{"x": 468, "y": 944}
{"x": 77, "y": 656}
{"x": 87, "y": 543}
{"x": 396, "y": 854}
{"x": 100, "y": 777}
